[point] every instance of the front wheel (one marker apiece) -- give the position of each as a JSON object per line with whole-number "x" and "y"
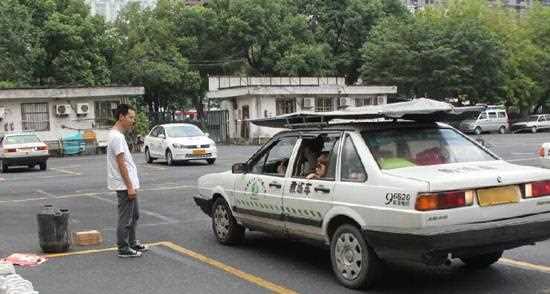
{"x": 477, "y": 131}
{"x": 225, "y": 227}
{"x": 4, "y": 167}
{"x": 169, "y": 158}
{"x": 211, "y": 160}
{"x": 482, "y": 260}
{"x": 533, "y": 130}
{"x": 502, "y": 130}
{"x": 43, "y": 166}
{"x": 148, "y": 157}
{"x": 354, "y": 263}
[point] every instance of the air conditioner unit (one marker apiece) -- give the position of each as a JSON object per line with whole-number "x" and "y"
{"x": 346, "y": 101}
{"x": 308, "y": 103}
{"x": 62, "y": 109}
{"x": 82, "y": 108}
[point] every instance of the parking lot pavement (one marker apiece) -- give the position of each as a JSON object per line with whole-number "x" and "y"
{"x": 195, "y": 262}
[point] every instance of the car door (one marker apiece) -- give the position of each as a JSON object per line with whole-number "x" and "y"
{"x": 306, "y": 200}
{"x": 493, "y": 123}
{"x": 160, "y": 142}
{"x": 150, "y": 141}
{"x": 258, "y": 193}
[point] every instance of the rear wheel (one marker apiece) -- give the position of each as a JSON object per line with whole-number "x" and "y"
{"x": 4, "y": 167}
{"x": 354, "y": 263}
{"x": 533, "y": 130}
{"x": 169, "y": 157}
{"x": 225, "y": 227}
{"x": 482, "y": 260}
{"x": 477, "y": 131}
{"x": 502, "y": 129}
{"x": 148, "y": 157}
{"x": 43, "y": 165}
{"x": 211, "y": 160}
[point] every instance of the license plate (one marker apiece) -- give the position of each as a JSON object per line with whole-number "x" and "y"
{"x": 498, "y": 195}
{"x": 199, "y": 151}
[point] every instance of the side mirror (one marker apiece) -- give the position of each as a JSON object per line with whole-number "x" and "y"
{"x": 162, "y": 136}
{"x": 239, "y": 168}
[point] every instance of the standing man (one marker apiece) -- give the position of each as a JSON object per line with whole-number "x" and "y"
{"x": 122, "y": 177}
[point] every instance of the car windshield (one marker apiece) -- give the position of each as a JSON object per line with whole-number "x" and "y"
{"x": 22, "y": 139}
{"x": 183, "y": 131}
{"x": 398, "y": 148}
{"x": 533, "y": 118}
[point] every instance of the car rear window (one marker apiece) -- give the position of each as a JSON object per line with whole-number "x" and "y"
{"x": 398, "y": 148}
{"x": 21, "y": 139}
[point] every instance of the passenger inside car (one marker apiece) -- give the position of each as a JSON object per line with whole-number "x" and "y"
{"x": 307, "y": 158}
{"x": 321, "y": 167}
{"x": 281, "y": 168}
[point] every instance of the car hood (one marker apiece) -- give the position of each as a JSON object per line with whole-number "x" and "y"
{"x": 26, "y": 145}
{"x": 199, "y": 140}
{"x": 455, "y": 176}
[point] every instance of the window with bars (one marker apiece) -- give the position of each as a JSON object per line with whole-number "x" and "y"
{"x": 105, "y": 114}
{"x": 35, "y": 117}
{"x": 285, "y": 105}
{"x": 363, "y": 101}
{"x": 323, "y": 104}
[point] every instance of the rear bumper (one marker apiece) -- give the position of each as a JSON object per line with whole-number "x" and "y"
{"x": 27, "y": 160}
{"x": 187, "y": 154}
{"x": 432, "y": 247}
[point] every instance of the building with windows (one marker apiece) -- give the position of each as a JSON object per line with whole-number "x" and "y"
{"x": 55, "y": 113}
{"x": 246, "y": 98}
{"x": 110, "y": 9}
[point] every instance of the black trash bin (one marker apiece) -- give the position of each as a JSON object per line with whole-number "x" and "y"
{"x": 53, "y": 229}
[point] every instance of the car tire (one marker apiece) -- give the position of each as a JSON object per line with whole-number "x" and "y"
{"x": 477, "y": 131}
{"x": 211, "y": 160}
{"x": 502, "y": 130}
{"x": 43, "y": 165}
{"x": 148, "y": 157}
{"x": 354, "y": 262}
{"x": 533, "y": 130}
{"x": 225, "y": 227}
{"x": 4, "y": 167}
{"x": 169, "y": 158}
{"x": 482, "y": 260}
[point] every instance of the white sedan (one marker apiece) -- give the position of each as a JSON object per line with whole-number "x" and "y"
{"x": 22, "y": 149}
{"x": 179, "y": 142}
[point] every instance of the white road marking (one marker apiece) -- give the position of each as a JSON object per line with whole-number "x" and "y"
{"x": 148, "y": 166}
{"x": 521, "y": 159}
{"x": 2, "y": 179}
{"x": 165, "y": 219}
{"x": 66, "y": 171}
{"x": 68, "y": 166}
{"x": 92, "y": 194}
{"x": 523, "y": 153}
{"x": 46, "y": 193}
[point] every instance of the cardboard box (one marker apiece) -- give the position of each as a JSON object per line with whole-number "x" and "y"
{"x": 86, "y": 238}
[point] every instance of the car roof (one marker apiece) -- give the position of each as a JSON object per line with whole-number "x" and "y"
{"x": 176, "y": 124}
{"x": 17, "y": 134}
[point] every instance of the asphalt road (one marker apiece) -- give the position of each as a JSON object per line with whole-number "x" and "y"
{"x": 185, "y": 257}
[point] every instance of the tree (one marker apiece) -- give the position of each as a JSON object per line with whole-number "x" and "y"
{"x": 443, "y": 52}
{"x": 345, "y": 26}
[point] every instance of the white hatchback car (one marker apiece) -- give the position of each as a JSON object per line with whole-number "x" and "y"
{"x": 179, "y": 142}
{"x": 374, "y": 191}
{"x": 22, "y": 149}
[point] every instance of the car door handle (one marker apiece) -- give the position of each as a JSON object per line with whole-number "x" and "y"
{"x": 322, "y": 189}
{"x": 275, "y": 184}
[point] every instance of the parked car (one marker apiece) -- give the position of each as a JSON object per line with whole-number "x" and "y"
{"x": 533, "y": 123}
{"x": 22, "y": 149}
{"x": 179, "y": 142}
{"x": 544, "y": 155}
{"x": 381, "y": 190}
{"x": 492, "y": 119}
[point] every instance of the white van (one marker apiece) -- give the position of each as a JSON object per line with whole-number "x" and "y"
{"x": 492, "y": 119}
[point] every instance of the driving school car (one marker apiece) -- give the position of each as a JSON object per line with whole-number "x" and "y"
{"x": 22, "y": 149}
{"x": 397, "y": 186}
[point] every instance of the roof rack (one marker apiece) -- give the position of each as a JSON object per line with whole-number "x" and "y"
{"x": 422, "y": 109}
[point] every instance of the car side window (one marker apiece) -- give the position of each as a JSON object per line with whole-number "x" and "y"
{"x": 274, "y": 161}
{"x": 541, "y": 118}
{"x": 501, "y": 114}
{"x": 352, "y": 169}
{"x": 483, "y": 115}
{"x": 492, "y": 115}
{"x": 316, "y": 158}
{"x": 161, "y": 132}
{"x": 155, "y": 132}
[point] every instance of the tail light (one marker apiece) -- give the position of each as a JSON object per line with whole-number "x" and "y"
{"x": 41, "y": 148}
{"x": 541, "y": 152}
{"x": 537, "y": 189}
{"x": 11, "y": 150}
{"x": 444, "y": 200}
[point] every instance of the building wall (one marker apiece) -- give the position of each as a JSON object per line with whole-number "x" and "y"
{"x": 59, "y": 125}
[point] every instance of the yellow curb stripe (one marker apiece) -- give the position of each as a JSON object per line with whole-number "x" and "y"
{"x": 229, "y": 269}
{"x": 234, "y": 271}
{"x": 524, "y": 265}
